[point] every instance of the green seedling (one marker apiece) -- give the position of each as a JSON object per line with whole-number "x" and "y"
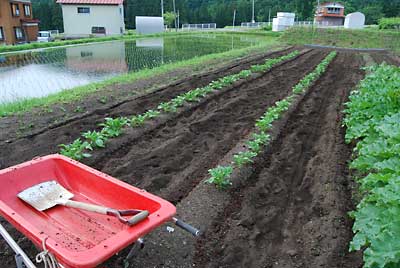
{"x": 76, "y": 150}
{"x": 150, "y": 114}
{"x": 114, "y": 127}
{"x": 167, "y": 107}
{"x": 96, "y": 139}
{"x": 244, "y": 158}
{"x": 178, "y": 101}
{"x": 244, "y": 73}
{"x": 261, "y": 138}
{"x": 220, "y": 176}
{"x": 138, "y": 120}
{"x": 192, "y": 96}
{"x": 254, "y": 146}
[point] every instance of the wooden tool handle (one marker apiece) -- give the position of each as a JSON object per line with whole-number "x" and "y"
{"x": 87, "y": 207}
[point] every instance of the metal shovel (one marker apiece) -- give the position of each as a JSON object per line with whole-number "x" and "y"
{"x": 49, "y": 194}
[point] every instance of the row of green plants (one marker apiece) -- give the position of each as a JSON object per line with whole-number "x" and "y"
{"x": 221, "y": 175}
{"x": 373, "y": 122}
{"x": 114, "y": 127}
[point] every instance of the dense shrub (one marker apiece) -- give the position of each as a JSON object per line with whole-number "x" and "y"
{"x": 389, "y": 23}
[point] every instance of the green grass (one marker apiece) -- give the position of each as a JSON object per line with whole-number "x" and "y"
{"x": 77, "y": 93}
{"x": 367, "y": 38}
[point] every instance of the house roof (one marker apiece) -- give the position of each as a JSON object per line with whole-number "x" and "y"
{"x": 90, "y": 2}
{"x": 331, "y": 3}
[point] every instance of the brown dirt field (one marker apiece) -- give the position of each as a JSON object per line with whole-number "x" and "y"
{"x": 291, "y": 212}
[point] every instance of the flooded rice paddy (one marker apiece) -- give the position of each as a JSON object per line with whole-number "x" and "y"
{"x": 40, "y": 73}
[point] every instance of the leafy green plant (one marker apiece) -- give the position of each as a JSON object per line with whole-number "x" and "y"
{"x": 95, "y": 139}
{"x": 244, "y": 158}
{"x": 113, "y": 127}
{"x": 220, "y": 176}
{"x": 373, "y": 120}
{"x": 261, "y": 138}
{"x": 244, "y": 73}
{"x": 76, "y": 150}
{"x": 167, "y": 107}
{"x": 192, "y": 96}
{"x": 150, "y": 114}
{"x": 138, "y": 120}
{"x": 178, "y": 101}
{"x": 216, "y": 85}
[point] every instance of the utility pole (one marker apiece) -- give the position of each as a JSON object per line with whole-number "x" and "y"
{"x": 252, "y": 17}
{"x": 173, "y": 2}
{"x": 178, "y": 18}
{"x": 234, "y": 19}
{"x": 162, "y": 8}
{"x": 269, "y": 17}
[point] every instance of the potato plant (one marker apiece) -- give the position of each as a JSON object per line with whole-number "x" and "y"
{"x": 113, "y": 127}
{"x": 95, "y": 139}
{"x": 220, "y": 176}
{"x": 76, "y": 150}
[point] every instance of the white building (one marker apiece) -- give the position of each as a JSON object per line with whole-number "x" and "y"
{"x": 149, "y": 25}
{"x": 354, "y": 20}
{"x": 83, "y": 18}
{"x": 283, "y": 21}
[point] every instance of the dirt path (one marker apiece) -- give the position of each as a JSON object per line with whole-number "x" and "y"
{"x": 293, "y": 211}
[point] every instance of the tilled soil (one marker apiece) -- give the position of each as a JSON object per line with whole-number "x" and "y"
{"x": 171, "y": 159}
{"x": 292, "y": 211}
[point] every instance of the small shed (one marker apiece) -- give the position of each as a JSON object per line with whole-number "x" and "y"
{"x": 354, "y": 20}
{"x": 283, "y": 21}
{"x": 149, "y": 25}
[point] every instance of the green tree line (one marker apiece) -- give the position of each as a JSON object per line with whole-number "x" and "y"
{"x": 221, "y": 11}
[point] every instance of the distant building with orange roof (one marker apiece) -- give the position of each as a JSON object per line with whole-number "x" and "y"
{"x": 330, "y": 14}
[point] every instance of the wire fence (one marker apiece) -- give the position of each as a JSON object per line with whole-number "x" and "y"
{"x": 200, "y": 26}
{"x": 254, "y": 24}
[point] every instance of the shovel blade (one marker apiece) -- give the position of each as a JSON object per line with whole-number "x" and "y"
{"x": 45, "y": 195}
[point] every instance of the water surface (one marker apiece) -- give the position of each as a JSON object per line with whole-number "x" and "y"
{"x": 37, "y": 74}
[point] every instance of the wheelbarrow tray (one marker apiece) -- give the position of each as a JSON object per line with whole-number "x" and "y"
{"x": 78, "y": 239}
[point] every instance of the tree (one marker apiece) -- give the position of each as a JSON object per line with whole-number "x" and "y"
{"x": 169, "y": 18}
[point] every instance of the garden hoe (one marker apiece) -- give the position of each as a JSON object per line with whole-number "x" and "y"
{"x": 50, "y": 194}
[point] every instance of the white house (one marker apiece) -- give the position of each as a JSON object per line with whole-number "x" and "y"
{"x": 92, "y": 17}
{"x": 354, "y": 20}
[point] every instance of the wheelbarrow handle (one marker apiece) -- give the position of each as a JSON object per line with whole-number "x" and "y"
{"x": 187, "y": 227}
{"x": 11, "y": 242}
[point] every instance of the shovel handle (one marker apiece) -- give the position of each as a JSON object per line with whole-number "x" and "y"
{"x": 87, "y": 207}
{"x": 138, "y": 218}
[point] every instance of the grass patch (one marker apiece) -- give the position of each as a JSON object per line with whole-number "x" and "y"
{"x": 367, "y": 38}
{"x": 70, "y": 95}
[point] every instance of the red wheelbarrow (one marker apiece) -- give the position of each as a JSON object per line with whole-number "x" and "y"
{"x": 78, "y": 238}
